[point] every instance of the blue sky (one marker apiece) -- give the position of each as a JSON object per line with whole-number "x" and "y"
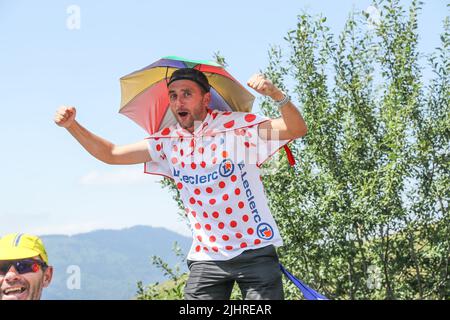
{"x": 49, "y": 184}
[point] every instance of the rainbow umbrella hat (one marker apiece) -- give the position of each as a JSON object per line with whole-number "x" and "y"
{"x": 145, "y": 97}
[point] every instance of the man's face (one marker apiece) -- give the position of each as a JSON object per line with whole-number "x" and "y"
{"x": 26, "y": 286}
{"x": 188, "y": 103}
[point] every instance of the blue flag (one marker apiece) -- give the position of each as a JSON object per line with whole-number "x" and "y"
{"x": 309, "y": 293}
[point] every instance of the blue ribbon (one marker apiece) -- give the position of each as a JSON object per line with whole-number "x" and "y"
{"x": 309, "y": 293}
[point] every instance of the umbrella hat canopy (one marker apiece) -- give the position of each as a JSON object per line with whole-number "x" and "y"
{"x": 145, "y": 97}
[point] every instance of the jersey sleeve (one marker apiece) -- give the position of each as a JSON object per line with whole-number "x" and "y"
{"x": 159, "y": 165}
{"x": 263, "y": 148}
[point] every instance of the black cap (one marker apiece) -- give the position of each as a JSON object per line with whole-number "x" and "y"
{"x": 190, "y": 74}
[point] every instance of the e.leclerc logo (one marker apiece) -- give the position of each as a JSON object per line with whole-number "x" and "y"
{"x": 226, "y": 168}
{"x": 265, "y": 231}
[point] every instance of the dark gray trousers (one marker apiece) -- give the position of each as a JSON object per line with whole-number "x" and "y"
{"x": 257, "y": 273}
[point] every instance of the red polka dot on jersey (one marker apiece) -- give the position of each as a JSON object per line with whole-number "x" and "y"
{"x": 197, "y": 191}
{"x": 197, "y": 226}
{"x": 193, "y": 166}
{"x": 250, "y": 231}
{"x": 201, "y": 150}
{"x": 229, "y": 248}
{"x": 209, "y": 190}
{"x": 212, "y": 239}
{"x": 192, "y": 200}
{"x": 205, "y": 248}
{"x": 214, "y": 160}
{"x": 197, "y": 248}
{"x": 174, "y": 160}
{"x": 225, "y": 237}
{"x": 203, "y": 164}
{"x": 229, "y": 124}
{"x": 247, "y": 144}
{"x": 233, "y": 224}
{"x": 208, "y": 227}
{"x": 221, "y": 225}
{"x": 225, "y": 197}
{"x": 245, "y": 218}
{"x": 205, "y": 214}
{"x": 250, "y": 117}
{"x": 215, "y": 214}
{"x": 243, "y": 245}
{"x": 226, "y": 113}
{"x": 240, "y": 204}
{"x": 237, "y": 191}
{"x": 182, "y": 164}
{"x": 194, "y": 214}
{"x": 165, "y": 132}
{"x": 212, "y": 201}
{"x": 158, "y": 147}
{"x": 257, "y": 241}
{"x": 200, "y": 203}
{"x": 179, "y": 185}
{"x": 213, "y": 147}
{"x": 238, "y": 235}
{"x": 233, "y": 178}
{"x": 182, "y": 152}
{"x": 224, "y": 154}
{"x": 175, "y": 148}
{"x": 221, "y": 184}
{"x": 229, "y": 210}
{"x": 215, "y": 249}
{"x": 199, "y": 238}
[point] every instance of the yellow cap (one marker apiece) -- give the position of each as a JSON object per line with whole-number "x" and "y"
{"x": 17, "y": 246}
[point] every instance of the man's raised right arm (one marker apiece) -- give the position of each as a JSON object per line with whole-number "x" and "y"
{"x": 98, "y": 147}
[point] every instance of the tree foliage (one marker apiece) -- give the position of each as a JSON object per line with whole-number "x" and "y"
{"x": 364, "y": 215}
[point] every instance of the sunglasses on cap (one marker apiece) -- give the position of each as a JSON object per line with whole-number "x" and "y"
{"x": 22, "y": 266}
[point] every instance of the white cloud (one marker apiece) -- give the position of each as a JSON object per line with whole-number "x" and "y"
{"x": 118, "y": 176}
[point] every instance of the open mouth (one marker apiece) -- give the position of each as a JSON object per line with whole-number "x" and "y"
{"x": 14, "y": 291}
{"x": 183, "y": 114}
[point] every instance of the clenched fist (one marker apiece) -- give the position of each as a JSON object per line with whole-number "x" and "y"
{"x": 264, "y": 86}
{"x": 65, "y": 116}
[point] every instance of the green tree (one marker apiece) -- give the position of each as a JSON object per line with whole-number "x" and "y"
{"x": 172, "y": 289}
{"x": 366, "y": 212}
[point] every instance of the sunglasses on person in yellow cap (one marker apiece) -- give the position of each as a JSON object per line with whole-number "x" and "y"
{"x": 22, "y": 266}
{"x": 20, "y": 246}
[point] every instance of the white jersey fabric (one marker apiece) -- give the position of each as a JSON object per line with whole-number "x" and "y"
{"x": 216, "y": 170}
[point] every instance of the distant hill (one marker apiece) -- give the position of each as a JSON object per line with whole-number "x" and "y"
{"x": 110, "y": 261}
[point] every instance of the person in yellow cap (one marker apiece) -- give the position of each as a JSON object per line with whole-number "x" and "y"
{"x": 24, "y": 269}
